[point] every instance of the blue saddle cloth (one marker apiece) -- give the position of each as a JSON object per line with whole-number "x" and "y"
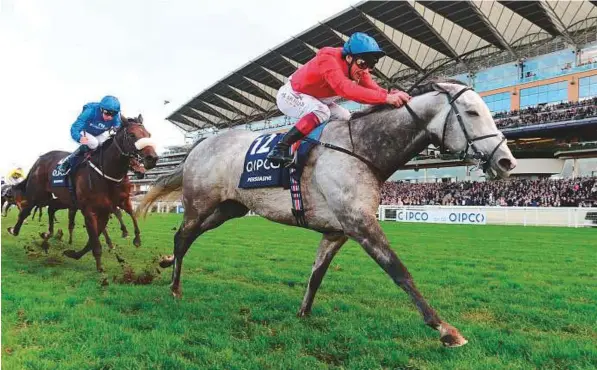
{"x": 59, "y": 179}
{"x": 258, "y": 172}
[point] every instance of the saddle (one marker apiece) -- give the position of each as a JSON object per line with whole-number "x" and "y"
{"x": 258, "y": 172}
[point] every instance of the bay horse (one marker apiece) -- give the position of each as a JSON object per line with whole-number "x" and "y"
{"x": 8, "y": 198}
{"x": 97, "y": 182}
{"x": 341, "y": 192}
{"x": 13, "y": 196}
{"x": 125, "y": 203}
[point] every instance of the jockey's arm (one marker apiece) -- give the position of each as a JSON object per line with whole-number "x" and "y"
{"x": 345, "y": 87}
{"x": 117, "y": 122}
{"x": 80, "y": 123}
{"x": 368, "y": 82}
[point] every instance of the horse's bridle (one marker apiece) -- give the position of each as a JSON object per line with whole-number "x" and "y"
{"x": 136, "y": 154}
{"x": 99, "y": 168}
{"x": 482, "y": 160}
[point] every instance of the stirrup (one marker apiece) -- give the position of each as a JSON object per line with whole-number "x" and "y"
{"x": 290, "y": 163}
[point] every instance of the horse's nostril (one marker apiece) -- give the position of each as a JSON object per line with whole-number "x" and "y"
{"x": 151, "y": 160}
{"x": 506, "y": 164}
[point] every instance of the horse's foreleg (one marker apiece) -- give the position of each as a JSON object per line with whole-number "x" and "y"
{"x": 51, "y": 213}
{"x": 102, "y": 221}
{"x": 368, "y": 233}
{"x": 25, "y": 212}
{"x": 5, "y": 207}
{"x": 95, "y": 223}
{"x": 107, "y": 238}
{"x": 118, "y": 214}
{"x": 128, "y": 208}
{"x": 328, "y": 247}
{"x": 72, "y": 212}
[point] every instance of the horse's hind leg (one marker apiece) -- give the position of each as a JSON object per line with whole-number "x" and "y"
{"x": 368, "y": 233}
{"x": 189, "y": 231}
{"x": 72, "y": 212}
{"x": 328, "y": 247}
{"x": 25, "y": 212}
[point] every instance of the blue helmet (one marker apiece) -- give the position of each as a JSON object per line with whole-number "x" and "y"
{"x": 361, "y": 43}
{"x": 110, "y": 103}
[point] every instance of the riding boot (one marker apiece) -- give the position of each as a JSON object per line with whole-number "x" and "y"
{"x": 280, "y": 155}
{"x": 71, "y": 161}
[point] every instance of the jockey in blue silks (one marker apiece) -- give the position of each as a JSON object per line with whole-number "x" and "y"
{"x": 92, "y": 127}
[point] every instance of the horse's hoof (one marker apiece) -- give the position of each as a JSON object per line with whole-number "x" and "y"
{"x": 137, "y": 242}
{"x": 303, "y": 313}
{"x": 125, "y": 235}
{"x": 166, "y": 261}
{"x": 45, "y": 246}
{"x": 450, "y": 336}
{"x": 71, "y": 254}
{"x": 177, "y": 293}
{"x": 11, "y": 231}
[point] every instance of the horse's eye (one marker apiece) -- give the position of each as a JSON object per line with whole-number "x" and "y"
{"x": 472, "y": 113}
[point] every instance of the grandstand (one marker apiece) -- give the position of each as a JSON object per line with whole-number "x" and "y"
{"x": 533, "y": 62}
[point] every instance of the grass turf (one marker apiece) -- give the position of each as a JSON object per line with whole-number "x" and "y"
{"x": 524, "y": 297}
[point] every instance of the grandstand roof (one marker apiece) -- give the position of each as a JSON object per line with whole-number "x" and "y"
{"x": 416, "y": 35}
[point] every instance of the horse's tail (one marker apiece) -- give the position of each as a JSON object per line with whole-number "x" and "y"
{"x": 169, "y": 185}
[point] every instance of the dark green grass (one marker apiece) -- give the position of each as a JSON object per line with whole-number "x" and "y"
{"x": 524, "y": 297}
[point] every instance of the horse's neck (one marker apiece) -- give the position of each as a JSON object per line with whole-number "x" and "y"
{"x": 111, "y": 162}
{"x": 390, "y": 138}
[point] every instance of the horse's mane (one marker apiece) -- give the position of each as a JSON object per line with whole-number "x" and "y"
{"x": 425, "y": 88}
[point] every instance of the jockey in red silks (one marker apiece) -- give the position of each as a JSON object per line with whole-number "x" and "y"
{"x": 332, "y": 74}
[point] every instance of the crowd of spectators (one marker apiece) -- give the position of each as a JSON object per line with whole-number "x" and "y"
{"x": 547, "y": 113}
{"x": 579, "y": 192}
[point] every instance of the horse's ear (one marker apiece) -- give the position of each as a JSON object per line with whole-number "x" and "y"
{"x": 124, "y": 121}
{"x": 437, "y": 87}
{"x": 140, "y": 118}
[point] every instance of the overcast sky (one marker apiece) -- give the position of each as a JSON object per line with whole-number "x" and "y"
{"x": 55, "y": 56}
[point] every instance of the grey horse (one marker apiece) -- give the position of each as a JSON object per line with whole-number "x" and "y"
{"x": 341, "y": 192}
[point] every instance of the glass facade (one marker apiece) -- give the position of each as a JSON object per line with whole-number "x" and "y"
{"x": 547, "y": 66}
{"x": 498, "y": 102}
{"x": 587, "y": 87}
{"x": 496, "y": 77}
{"x": 552, "y": 93}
